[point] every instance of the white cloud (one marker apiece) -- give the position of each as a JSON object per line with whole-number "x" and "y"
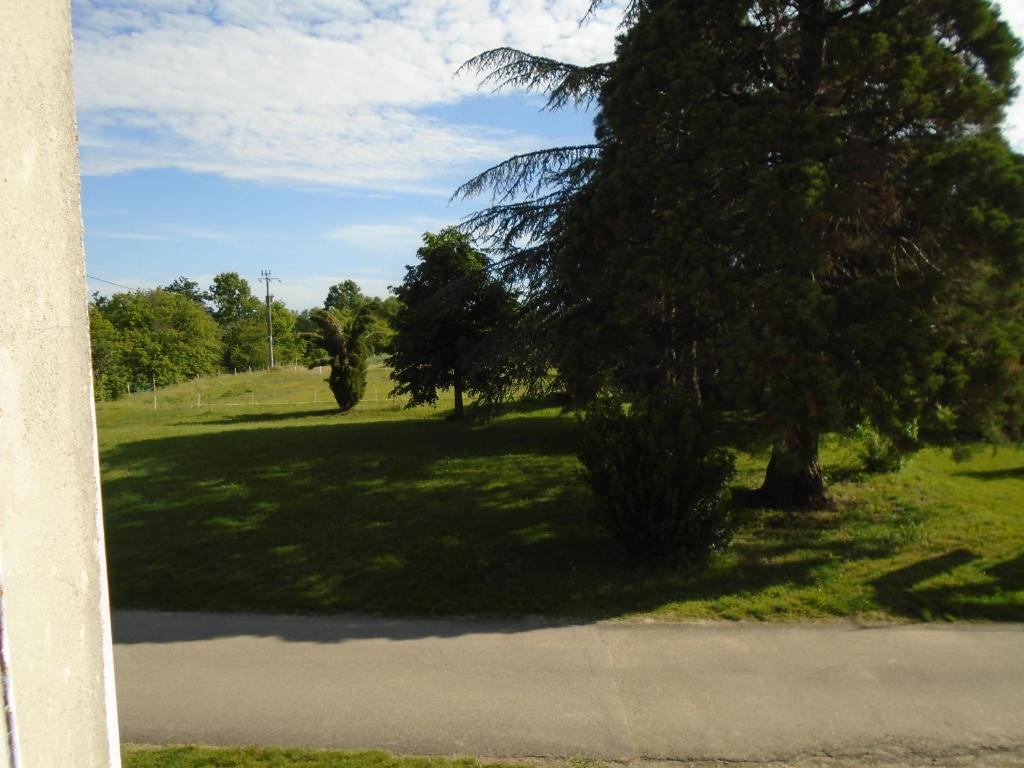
{"x": 130, "y": 236}
{"x": 387, "y": 238}
{"x": 308, "y": 292}
{"x": 167, "y": 233}
{"x": 193, "y": 233}
{"x": 318, "y": 91}
{"x": 325, "y": 91}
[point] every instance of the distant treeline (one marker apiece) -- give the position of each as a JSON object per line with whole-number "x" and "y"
{"x": 179, "y": 331}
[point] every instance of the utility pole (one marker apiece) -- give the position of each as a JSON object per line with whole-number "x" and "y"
{"x": 266, "y": 278}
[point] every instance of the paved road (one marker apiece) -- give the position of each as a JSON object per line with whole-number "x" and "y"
{"x": 614, "y": 691}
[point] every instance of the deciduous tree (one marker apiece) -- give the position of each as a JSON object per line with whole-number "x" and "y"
{"x": 345, "y": 297}
{"x": 188, "y": 288}
{"x": 240, "y": 317}
{"x": 146, "y": 335}
{"x": 451, "y": 306}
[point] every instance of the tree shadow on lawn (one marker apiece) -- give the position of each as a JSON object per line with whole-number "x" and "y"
{"x": 993, "y": 474}
{"x": 270, "y": 416}
{"x": 410, "y": 518}
{"x": 899, "y": 590}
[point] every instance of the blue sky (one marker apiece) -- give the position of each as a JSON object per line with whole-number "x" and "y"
{"x": 315, "y": 138}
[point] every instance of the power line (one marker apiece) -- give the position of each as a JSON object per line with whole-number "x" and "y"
{"x": 111, "y": 282}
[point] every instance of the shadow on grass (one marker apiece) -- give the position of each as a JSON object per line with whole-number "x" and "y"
{"x": 274, "y": 416}
{"x": 411, "y": 518}
{"x": 901, "y": 593}
{"x": 485, "y": 413}
{"x": 418, "y": 517}
{"x": 993, "y": 474}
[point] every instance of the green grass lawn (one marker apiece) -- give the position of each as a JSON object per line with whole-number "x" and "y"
{"x": 252, "y": 757}
{"x": 215, "y": 502}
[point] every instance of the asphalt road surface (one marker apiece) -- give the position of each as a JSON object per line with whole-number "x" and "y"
{"x": 613, "y": 691}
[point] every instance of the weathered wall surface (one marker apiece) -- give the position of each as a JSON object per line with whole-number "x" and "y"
{"x": 55, "y": 617}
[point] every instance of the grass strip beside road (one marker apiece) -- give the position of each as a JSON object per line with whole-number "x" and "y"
{"x": 299, "y": 509}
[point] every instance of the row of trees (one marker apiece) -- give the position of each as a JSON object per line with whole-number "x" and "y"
{"x": 146, "y": 336}
{"x": 180, "y": 331}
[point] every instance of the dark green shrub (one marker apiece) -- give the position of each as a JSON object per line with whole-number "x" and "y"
{"x": 348, "y": 382}
{"x": 658, "y": 479}
{"x": 342, "y": 344}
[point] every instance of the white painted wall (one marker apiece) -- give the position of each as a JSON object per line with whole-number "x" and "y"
{"x": 55, "y": 615}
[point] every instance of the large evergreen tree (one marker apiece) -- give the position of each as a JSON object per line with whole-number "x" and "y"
{"x": 451, "y": 307}
{"x": 804, "y": 207}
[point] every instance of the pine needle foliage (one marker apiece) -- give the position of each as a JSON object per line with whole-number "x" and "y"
{"x": 630, "y": 12}
{"x": 565, "y": 84}
{"x": 533, "y": 176}
{"x": 530, "y": 195}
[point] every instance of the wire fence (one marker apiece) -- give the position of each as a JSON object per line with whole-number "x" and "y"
{"x": 315, "y": 398}
{"x": 287, "y": 386}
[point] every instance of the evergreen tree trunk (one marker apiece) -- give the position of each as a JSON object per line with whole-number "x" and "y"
{"x": 460, "y": 412}
{"x": 793, "y": 479}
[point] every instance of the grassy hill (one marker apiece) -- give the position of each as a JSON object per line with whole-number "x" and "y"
{"x": 252, "y": 493}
